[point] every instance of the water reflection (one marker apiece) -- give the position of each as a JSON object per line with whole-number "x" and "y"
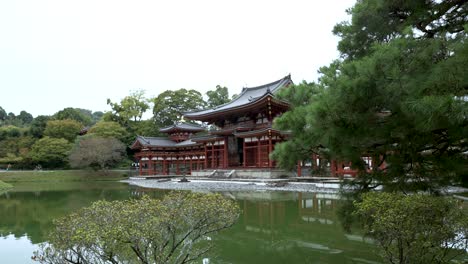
{"x": 281, "y": 227}
{"x": 274, "y": 227}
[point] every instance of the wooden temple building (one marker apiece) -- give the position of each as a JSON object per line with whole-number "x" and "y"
{"x": 239, "y": 141}
{"x": 240, "y": 138}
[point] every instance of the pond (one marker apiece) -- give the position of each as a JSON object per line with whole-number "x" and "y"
{"x": 274, "y": 227}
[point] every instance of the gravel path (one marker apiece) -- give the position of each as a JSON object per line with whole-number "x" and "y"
{"x": 207, "y": 185}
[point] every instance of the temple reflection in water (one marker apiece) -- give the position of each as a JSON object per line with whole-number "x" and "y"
{"x": 279, "y": 227}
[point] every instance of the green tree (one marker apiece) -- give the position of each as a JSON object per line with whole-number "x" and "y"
{"x": 146, "y": 128}
{"x": 51, "y": 152}
{"x": 13, "y": 120}
{"x": 9, "y": 131}
{"x": 38, "y": 125}
{"x": 130, "y": 108}
{"x": 398, "y": 95}
{"x": 97, "y": 116}
{"x": 67, "y": 129}
{"x": 3, "y": 115}
{"x": 415, "y": 228}
{"x": 109, "y": 129}
{"x": 80, "y": 115}
{"x": 169, "y": 106}
{"x": 172, "y": 230}
{"x": 99, "y": 153}
{"x": 301, "y": 145}
{"x": 25, "y": 117}
{"x": 218, "y": 96}
{"x": 15, "y": 150}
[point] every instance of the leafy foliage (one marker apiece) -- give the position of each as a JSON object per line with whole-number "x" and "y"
{"x": 169, "y": 106}
{"x": 67, "y": 129}
{"x": 4, "y": 186}
{"x": 25, "y": 117}
{"x": 3, "y": 114}
{"x": 9, "y": 131}
{"x": 51, "y": 152}
{"x": 130, "y": 108}
{"x": 399, "y": 96}
{"x": 415, "y": 228}
{"x": 375, "y": 21}
{"x": 172, "y": 230}
{"x": 80, "y": 115}
{"x": 218, "y": 97}
{"x": 97, "y": 152}
{"x": 38, "y": 125}
{"x": 300, "y": 146}
{"x": 15, "y": 150}
{"x": 108, "y": 129}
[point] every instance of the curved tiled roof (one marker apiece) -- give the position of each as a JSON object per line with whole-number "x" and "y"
{"x": 182, "y": 126}
{"x": 261, "y": 131}
{"x": 162, "y": 142}
{"x": 248, "y": 96}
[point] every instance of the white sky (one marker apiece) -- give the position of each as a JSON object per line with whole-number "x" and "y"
{"x": 63, "y": 53}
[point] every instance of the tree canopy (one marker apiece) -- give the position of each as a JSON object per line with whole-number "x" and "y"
{"x": 99, "y": 153}
{"x": 399, "y": 95}
{"x": 38, "y": 125}
{"x": 77, "y": 114}
{"x": 415, "y": 228}
{"x": 130, "y": 108}
{"x": 108, "y": 129}
{"x": 67, "y": 129}
{"x": 51, "y": 152}
{"x": 218, "y": 96}
{"x": 3, "y": 114}
{"x": 169, "y": 106}
{"x": 172, "y": 230}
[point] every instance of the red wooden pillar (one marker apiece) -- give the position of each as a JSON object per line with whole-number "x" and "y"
{"x": 259, "y": 157}
{"x": 270, "y": 149}
{"x": 164, "y": 166}
{"x": 244, "y": 155}
{"x": 226, "y": 162}
{"x": 150, "y": 166}
{"x": 314, "y": 161}
{"x": 140, "y": 165}
{"x": 299, "y": 168}
{"x": 177, "y": 166}
{"x": 190, "y": 171}
{"x": 206, "y": 156}
{"x": 212, "y": 156}
{"x": 333, "y": 168}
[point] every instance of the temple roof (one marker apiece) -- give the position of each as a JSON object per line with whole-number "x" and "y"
{"x": 246, "y": 97}
{"x": 160, "y": 142}
{"x": 267, "y": 130}
{"x": 182, "y": 126}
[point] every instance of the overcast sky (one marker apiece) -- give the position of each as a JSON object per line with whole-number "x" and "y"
{"x": 63, "y": 53}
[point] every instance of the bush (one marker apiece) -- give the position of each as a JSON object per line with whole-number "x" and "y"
{"x": 415, "y": 228}
{"x": 4, "y": 186}
{"x": 172, "y": 230}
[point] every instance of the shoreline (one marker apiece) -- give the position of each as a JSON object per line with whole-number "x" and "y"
{"x": 213, "y": 185}
{"x": 206, "y": 185}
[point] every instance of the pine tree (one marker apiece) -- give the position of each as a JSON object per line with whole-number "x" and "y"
{"x": 399, "y": 93}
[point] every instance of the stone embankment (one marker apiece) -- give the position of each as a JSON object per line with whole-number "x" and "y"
{"x": 212, "y": 185}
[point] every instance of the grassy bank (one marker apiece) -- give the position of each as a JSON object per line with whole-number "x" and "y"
{"x": 4, "y": 186}
{"x": 61, "y": 176}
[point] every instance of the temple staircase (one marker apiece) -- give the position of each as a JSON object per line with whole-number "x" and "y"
{"x": 222, "y": 174}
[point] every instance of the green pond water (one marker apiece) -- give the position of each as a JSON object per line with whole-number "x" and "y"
{"x": 274, "y": 227}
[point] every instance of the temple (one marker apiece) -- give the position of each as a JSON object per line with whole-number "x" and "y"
{"x": 176, "y": 154}
{"x": 239, "y": 140}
